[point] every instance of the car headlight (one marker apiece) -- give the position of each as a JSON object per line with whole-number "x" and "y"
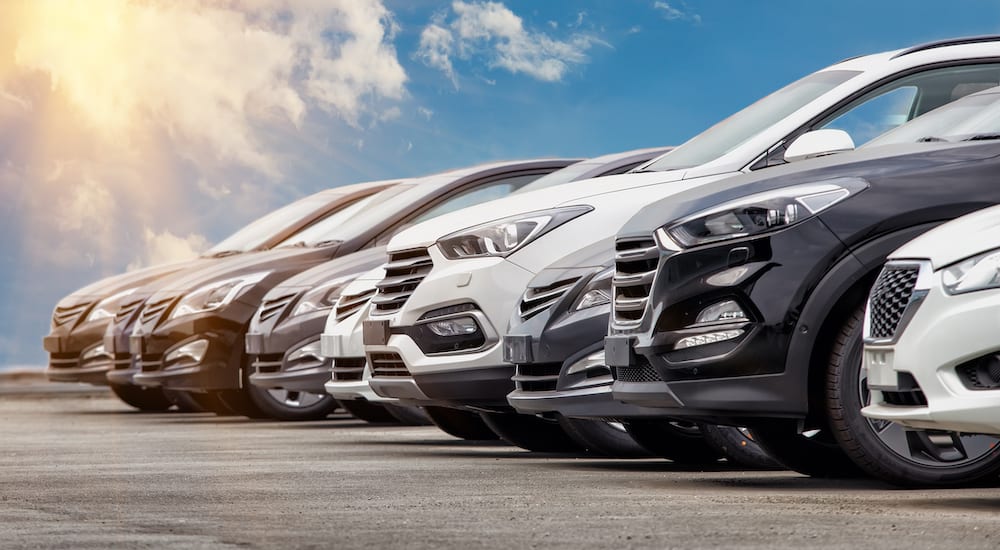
{"x": 597, "y": 292}
{"x": 505, "y": 236}
{"x": 323, "y": 296}
{"x": 108, "y": 307}
{"x": 217, "y": 294}
{"x": 976, "y": 273}
{"x": 759, "y": 213}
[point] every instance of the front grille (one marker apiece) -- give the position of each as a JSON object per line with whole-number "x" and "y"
{"x": 403, "y": 273}
{"x": 268, "y": 362}
{"x": 151, "y": 313}
{"x": 274, "y": 306}
{"x": 538, "y": 299}
{"x": 532, "y": 377}
{"x": 349, "y": 304}
{"x": 635, "y": 267}
{"x": 150, "y": 362}
{"x": 889, "y": 298}
{"x": 66, "y": 315}
{"x": 388, "y": 364}
{"x": 642, "y": 372}
{"x": 128, "y": 309}
{"x": 349, "y": 369}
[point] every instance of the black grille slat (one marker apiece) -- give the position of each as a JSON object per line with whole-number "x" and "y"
{"x": 66, "y": 315}
{"x": 268, "y": 362}
{"x": 404, "y": 271}
{"x": 152, "y": 311}
{"x": 388, "y": 364}
{"x": 889, "y": 298}
{"x": 128, "y": 309}
{"x": 349, "y": 369}
{"x": 273, "y": 307}
{"x": 538, "y": 299}
{"x": 349, "y": 304}
{"x": 636, "y": 261}
{"x": 531, "y": 377}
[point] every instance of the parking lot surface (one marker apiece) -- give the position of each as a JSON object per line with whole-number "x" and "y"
{"x": 85, "y": 471}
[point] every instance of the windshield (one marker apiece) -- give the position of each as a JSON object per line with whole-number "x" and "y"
{"x": 263, "y": 229}
{"x": 738, "y": 128}
{"x": 325, "y": 230}
{"x": 559, "y": 177}
{"x": 970, "y": 116}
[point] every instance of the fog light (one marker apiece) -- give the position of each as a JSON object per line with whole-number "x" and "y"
{"x": 459, "y": 326}
{"x": 195, "y": 351}
{"x": 727, "y": 311}
{"x": 312, "y": 350}
{"x": 594, "y": 360}
{"x": 710, "y": 338}
{"x": 95, "y": 352}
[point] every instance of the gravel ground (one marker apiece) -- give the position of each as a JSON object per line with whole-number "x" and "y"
{"x": 83, "y": 471}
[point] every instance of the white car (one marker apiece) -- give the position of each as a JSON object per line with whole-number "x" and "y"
{"x": 940, "y": 369}
{"x": 452, "y": 282}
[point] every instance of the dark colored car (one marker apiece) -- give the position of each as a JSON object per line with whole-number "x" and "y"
{"x": 287, "y": 324}
{"x": 742, "y": 302}
{"x": 76, "y": 344}
{"x": 190, "y": 333}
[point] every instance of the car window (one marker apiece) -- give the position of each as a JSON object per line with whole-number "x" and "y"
{"x": 497, "y": 189}
{"x": 877, "y": 115}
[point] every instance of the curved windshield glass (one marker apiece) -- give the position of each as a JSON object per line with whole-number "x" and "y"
{"x": 974, "y": 115}
{"x": 325, "y": 231}
{"x": 559, "y": 177}
{"x": 738, "y": 128}
{"x": 263, "y": 229}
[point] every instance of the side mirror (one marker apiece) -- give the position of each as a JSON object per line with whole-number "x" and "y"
{"x": 818, "y": 143}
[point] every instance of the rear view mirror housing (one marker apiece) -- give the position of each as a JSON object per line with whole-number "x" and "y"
{"x": 818, "y": 143}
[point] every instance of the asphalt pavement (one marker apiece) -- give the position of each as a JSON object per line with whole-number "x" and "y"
{"x": 84, "y": 471}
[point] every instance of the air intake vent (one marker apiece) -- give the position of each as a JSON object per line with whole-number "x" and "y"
{"x": 403, "y": 273}
{"x": 349, "y": 369}
{"x": 642, "y": 372}
{"x": 388, "y": 364}
{"x": 272, "y": 308}
{"x": 635, "y": 267}
{"x": 538, "y": 299}
{"x": 534, "y": 377}
{"x": 349, "y": 304}
{"x": 889, "y": 299}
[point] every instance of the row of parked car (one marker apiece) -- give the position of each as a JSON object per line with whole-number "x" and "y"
{"x": 728, "y": 298}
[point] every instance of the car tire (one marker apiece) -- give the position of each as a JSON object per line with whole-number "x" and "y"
{"x": 240, "y": 402}
{"x": 814, "y": 454}
{"x": 603, "y": 438}
{"x": 531, "y": 432}
{"x": 144, "y": 399}
{"x": 190, "y": 402}
{"x": 291, "y": 406}
{"x": 908, "y": 458}
{"x": 461, "y": 424}
{"x": 738, "y": 447}
{"x": 681, "y": 442}
{"x": 407, "y": 415}
{"x": 373, "y": 413}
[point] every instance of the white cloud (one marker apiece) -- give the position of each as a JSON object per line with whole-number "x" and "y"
{"x": 671, "y": 12}
{"x": 214, "y": 191}
{"x": 425, "y": 112}
{"x": 634, "y": 29}
{"x": 491, "y": 31}
{"x": 165, "y": 247}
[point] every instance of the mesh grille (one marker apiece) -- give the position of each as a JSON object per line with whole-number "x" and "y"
{"x": 348, "y": 304}
{"x": 403, "y": 273}
{"x": 538, "y": 299}
{"x": 273, "y": 307}
{"x": 635, "y": 268}
{"x": 537, "y": 376}
{"x": 388, "y": 364}
{"x": 349, "y": 369}
{"x": 643, "y": 372}
{"x": 889, "y": 298}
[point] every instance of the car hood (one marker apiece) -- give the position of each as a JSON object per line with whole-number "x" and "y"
{"x": 110, "y": 286}
{"x": 599, "y": 254}
{"x": 282, "y": 260}
{"x": 956, "y": 240}
{"x": 353, "y": 264}
{"x": 868, "y": 164}
{"x": 579, "y": 192}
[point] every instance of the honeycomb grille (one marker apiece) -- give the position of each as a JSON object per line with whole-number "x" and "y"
{"x": 889, "y": 298}
{"x": 643, "y": 372}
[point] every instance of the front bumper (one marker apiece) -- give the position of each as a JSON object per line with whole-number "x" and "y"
{"x": 78, "y": 355}
{"x": 279, "y": 361}
{"x": 943, "y": 336}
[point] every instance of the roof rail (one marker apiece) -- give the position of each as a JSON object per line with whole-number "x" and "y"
{"x": 949, "y": 42}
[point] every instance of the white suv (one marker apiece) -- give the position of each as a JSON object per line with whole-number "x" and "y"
{"x": 437, "y": 318}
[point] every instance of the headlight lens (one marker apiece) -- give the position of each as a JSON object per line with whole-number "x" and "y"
{"x": 977, "y": 273}
{"x": 323, "y": 296}
{"x": 761, "y": 212}
{"x": 108, "y": 307}
{"x": 215, "y": 295}
{"x": 505, "y": 236}
{"x": 597, "y": 292}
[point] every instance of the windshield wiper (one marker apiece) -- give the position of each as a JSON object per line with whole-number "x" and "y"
{"x": 224, "y": 253}
{"x": 929, "y": 139}
{"x": 328, "y": 242}
{"x": 983, "y": 137}
{"x": 300, "y": 244}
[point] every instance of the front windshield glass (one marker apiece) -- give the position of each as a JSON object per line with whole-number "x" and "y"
{"x": 970, "y": 116}
{"x": 263, "y": 229}
{"x": 342, "y": 224}
{"x": 738, "y": 128}
{"x": 559, "y": 177}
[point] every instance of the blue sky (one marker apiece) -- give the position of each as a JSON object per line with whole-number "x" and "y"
{"x": 134, "y": 143}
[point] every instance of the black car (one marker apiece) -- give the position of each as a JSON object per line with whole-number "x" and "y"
{"x": 190, "y": 333}
{"x": 78, "y": 351}
{"x": 742, "y": 302}
{"x": 294, "y": 314}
